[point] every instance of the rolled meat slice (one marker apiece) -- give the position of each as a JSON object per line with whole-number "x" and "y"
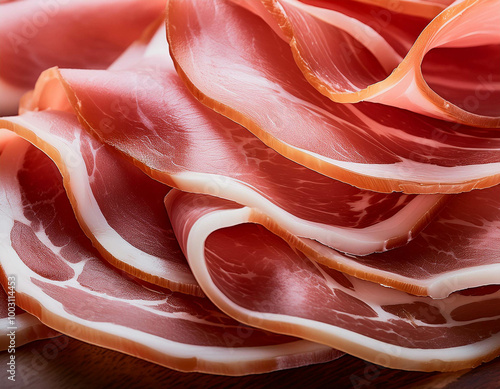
{"x": 351, "y": 54}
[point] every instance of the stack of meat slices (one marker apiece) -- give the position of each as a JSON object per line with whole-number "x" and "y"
{"x": 255, "y": 185}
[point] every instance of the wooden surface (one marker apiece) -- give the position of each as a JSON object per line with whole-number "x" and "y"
{"x": 67, "y": 363}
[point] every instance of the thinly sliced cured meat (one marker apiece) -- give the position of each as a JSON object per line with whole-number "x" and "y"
{"x": 350, "y": 57}
{"x": 275, "y": 278}
{"x": 18, "y": 327}
{"x": 119, "y": 207}
{"x": 178, "y": 141}
{"x": 458, "y": 250}
{"x": 62, "y": 280}
{"x": 257, "y": 278}
{"x": 38, "y": 34}
{"x": 367, "y": 145}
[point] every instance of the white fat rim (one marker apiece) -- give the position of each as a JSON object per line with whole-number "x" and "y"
{"x": 351, "y": 240}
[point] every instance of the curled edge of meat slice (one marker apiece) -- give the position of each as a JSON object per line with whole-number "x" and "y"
{"x": 402, "y": 313}
{"x": 405, "y": 87}
{"x": 67, "y": 155}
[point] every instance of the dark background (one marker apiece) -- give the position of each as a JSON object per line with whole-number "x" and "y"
{"x": 67, "y": 363}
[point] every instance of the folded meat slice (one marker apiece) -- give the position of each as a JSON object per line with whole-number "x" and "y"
{"x": 257, "y": 278}
{"x": 18, "y": 327}
{"x": 459, "y": 249}
{"x": 146, "y": 112}
{"x": 119, "y": 207}
{"x": 62, "y": 280}
{"x": 368, "y": 145}
{"x": 38, "y": 34}
{"x": 351, "y": 55}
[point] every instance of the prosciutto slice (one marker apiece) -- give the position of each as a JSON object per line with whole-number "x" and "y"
{"x": 38, "y": 34}
{"x": 367, "y": 145}
{"x": 181, "y": 143}
{"x": 120, "y": 208}
{"x": 348, "y": 60}
{"x": 62, "y": 280}
{"x": 458, "y": 250}
{"x": 258, "y": 279}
